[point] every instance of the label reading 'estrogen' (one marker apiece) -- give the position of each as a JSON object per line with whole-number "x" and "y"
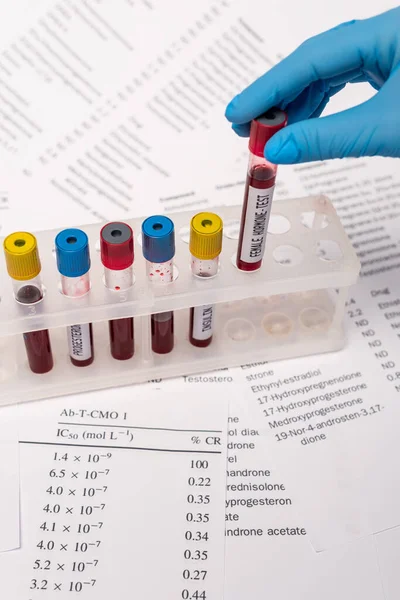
{"x": 258, "y": 211}
{"x": 203, "y": 322}
{"x": 79, "y": 344}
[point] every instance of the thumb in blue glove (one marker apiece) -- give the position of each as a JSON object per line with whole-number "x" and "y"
{"x": 303, "y": 83}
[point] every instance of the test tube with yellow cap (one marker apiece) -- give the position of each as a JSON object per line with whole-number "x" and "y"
{"x": 23, "y": 266}
{"x": 205, "y": 246}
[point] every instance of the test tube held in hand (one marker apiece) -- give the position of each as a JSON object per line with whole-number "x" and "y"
{"x": 205, "y": 247}
{"x": 117, "y": 256}
{"x": 158, "y": 244}
{"x": 259, "y": 189}
{"x": 73, "y": 263}
{"x": 23, "y": 267}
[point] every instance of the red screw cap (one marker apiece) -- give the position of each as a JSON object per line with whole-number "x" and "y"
{"x": 116, "y": 243}
{"x": 263, "y": 128}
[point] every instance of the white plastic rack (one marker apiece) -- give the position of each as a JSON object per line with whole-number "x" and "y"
{"x": 293, "y": 306}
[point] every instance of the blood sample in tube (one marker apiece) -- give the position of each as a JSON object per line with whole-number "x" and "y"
{"x": 158, "y": 244}
{"x": 73, "y": 263}
{"x": 23, "y": 266}
{"x": 117, "y": 256}
{"x": 205, "y": 247}
{"x": 258, "y": 194}
{"x": 162, "y": 332}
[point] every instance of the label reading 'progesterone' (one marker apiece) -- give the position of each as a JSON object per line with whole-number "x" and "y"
{"x": 258, "y": 211}
{"x": 79, "y": 344}
{"x": 203, "y": 322}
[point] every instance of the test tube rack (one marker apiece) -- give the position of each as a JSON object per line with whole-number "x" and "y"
{"x": 293, "y": 306}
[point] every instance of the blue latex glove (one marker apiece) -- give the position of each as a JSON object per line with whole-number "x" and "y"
{"x": 302, "y": 84}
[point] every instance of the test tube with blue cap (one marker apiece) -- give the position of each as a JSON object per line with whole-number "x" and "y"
{"x": 158, "y": 244}
{"x": 73, "y": 263}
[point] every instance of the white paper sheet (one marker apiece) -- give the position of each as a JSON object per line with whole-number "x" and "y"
{"x": 264, "y": 542}
{"x": 117, "y": 158}
{"x": 9, "y": 485}
{"x": 387, "y": 546}
{"x": 115, "y": 488}
{"x": 331, "y": 433}
{"x": 268, "y": 552}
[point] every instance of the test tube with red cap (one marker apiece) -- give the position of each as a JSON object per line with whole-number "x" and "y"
{"x": 23, "y": 266}
{"x": 260, "y": 184}
{"x": 158, "y": 244}
{"x": 73, "y": 263}
{"x": 117, "y": 256}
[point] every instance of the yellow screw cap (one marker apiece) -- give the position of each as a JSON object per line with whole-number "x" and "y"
{"x": 22, "y": 256}
{"x": 205, "y": 236}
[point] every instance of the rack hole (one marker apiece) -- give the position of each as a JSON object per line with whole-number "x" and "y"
{"x": 278, "y": 224}
{"x": 240, "y": 330}
{"x": 184, "y": 234}
{"x": 329, "y": 250}
{"x": 315, "y": 319}
{"x": 314, "y": 220}
{"x": 288, "y": 255}
{"x": 231, "y": 229}
{"x": 277, "y": 324}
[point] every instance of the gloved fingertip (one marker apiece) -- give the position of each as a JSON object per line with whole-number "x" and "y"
{"x": 241, "y": 130}
{"x": 282, "y": 150}
{"x": 231, "y": 109}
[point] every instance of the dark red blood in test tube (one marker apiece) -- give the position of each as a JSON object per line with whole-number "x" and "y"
{"x": 194, "y": 341}
{"x": 38, "y": 350}
{"x": 37, "y": 343}
{"x": 122, "y": 338}
{"x": 260, "y": 177}
{"x": 162, "y": 332}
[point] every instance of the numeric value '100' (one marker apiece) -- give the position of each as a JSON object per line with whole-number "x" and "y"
{"x": 199, "y": 464}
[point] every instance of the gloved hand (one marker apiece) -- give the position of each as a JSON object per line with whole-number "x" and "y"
{"x": 302, "y": 84}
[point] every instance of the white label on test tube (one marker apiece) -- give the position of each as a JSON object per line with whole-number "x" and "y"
{"x": 258, "y": 211}
{"x": 79, "y": 343}
{"x": 203, "y": 322}
{"x": 203, "y": 316}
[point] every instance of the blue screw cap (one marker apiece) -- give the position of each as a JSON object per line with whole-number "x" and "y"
{"x": 72, "y": 252}
{"x": 158, "y": 239}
